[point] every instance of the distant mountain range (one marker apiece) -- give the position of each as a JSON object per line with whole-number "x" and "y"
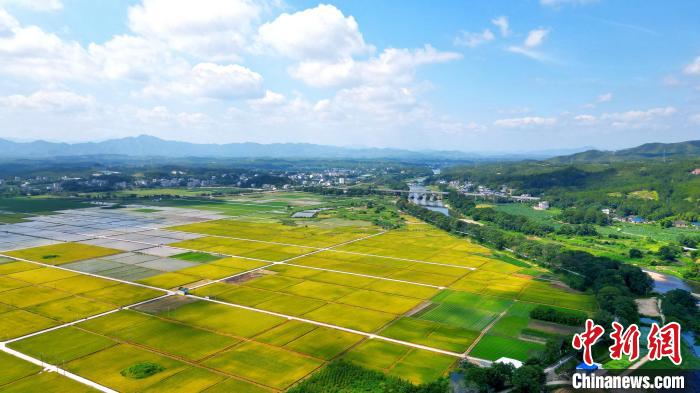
{"x": 689, "y": 149}
{"x": 149, "y": 146}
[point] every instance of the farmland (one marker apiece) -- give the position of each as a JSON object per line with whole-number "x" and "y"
{"x": 205, "y": 301}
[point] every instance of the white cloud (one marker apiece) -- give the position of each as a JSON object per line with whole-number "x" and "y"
{"x": 162, "y": 116}
{"x": 535, "y": 37}
{"x": 607, "y": 97}
{"x": 392, "y": 66}
{"x": 7, "y": 23}
{"x": 535, "y": 55}
{"x": 315, "y": 33}
{"x": 208, "y": 80}
{"x": 270, "y": 99}
{"x": 693, "y": 68}
{"x": 134, "y": 57}
{"x": 585, "y": 119}
{"x": 503, "y": 26}
{"x": 49, "y": 101}
{"x": 32, "y": 53}
{"x": 473, "y": 39}
{"x": 695, "y": 118}
{"x": 518, "y": 122}
{"x": 211, "y": 29}
{"x": 533, "y": 40}
{"x": 641, "y": 115}
{"x": 36, "y": 5}
{"x": 634, "y": 119}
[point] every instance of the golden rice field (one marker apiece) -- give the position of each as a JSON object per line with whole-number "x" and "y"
{"x": 272, "y": 305}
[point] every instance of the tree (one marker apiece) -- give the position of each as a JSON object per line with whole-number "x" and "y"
{"x": 635, "y": 253}
{"x": 528, "y": 379}
{"x": 689, "y": 241}
{"x": 668, "y": 253}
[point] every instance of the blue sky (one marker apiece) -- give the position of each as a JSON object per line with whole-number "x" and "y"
{"x": 473, "y": 76}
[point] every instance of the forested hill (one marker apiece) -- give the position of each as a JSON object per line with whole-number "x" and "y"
{"x": 680, "y": 150}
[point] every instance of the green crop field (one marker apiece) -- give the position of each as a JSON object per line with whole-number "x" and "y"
{"x": 267, "y": 365}
{"x": 415, "y": 365}
{"x": 14, "y": 369}
{"x": 224, "y": 319}
{"x": 119, "y": 357}
{"x": 432, "y": 334}
{"x": 492, "y": 347}
{"x": 162, "y": 335}
{"x": 46, "y": 383}
{"x": 324, "y": 343}
{"x": 63, "y": 345}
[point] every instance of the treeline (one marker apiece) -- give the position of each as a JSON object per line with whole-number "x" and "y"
{"x": 681, "y": 306}
{"x": 344, "y": 377}
{"x": 614, "y": 284}
{"x": 529, "y": 378}
{"x": 507, "y": 221}
{"x": 589, "y": 215}
{"x": 515, "y": 222}
{"x": 564, "y": 317}
{"x": 595, "y": 186}
{"x": 355, "y": 191}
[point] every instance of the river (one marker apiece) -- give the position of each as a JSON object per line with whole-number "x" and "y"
{"x": 664, "y": 282}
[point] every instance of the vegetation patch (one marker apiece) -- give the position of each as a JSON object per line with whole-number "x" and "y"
{"x": 193, "y": 256}
{"x": 142, "y": 370}
{"x": 344, "y": 377}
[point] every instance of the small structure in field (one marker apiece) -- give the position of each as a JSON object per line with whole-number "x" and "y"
{"x": 513, "y": 362}
{"x": 544, "y": 205}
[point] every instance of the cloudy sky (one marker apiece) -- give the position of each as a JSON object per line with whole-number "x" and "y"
{"x": 467, "y": 75}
